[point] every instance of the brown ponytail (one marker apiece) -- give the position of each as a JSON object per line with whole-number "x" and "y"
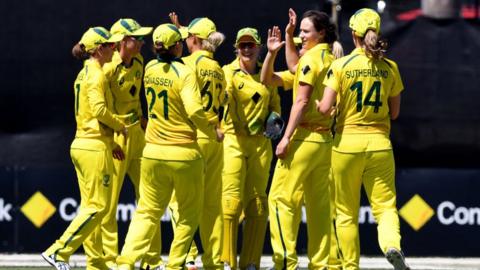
{"x": 78, "y": 51}
{"x": 374, "y": 47}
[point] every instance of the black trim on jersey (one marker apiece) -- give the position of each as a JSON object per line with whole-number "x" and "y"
{"x": 198, "y": 59}
{"x": 350, "y": 59}
{"x": 138, "y": 60}
{"x": 388, "y": 62}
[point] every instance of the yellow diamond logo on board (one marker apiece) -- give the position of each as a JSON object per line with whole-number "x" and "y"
{"x": 416, "y": 212}
{"x": 38, "y": 209}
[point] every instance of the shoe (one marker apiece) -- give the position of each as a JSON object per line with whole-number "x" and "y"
{"x": 397, "y": 259}
{"x": 191, "y": 265}
{"x": 251, "y": 267}
{"x": 227, "y": 266}
{"x": 59, "y": 265}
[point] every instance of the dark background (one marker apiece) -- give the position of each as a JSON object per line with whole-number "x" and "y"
{"x": 438, "y": 127}
{"x": 438, "y": 60}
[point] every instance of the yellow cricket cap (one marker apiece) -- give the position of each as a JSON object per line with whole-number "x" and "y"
{"x": 248, "y": 31}
{"x": 130, "y": 27}
{"x": 166, "y": 33}
{"x": 363, "y": 20}
{"x": 201, "y": 27}
{"x": 96, "y": 36}
{"x": 183, "y": 31}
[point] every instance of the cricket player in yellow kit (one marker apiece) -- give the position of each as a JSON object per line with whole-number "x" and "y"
{"x": 366, "y": 87}
{"x": 298, "y": 177}
{"x": 247, "y": 153}
{"x": 286, "y": 80}
{"x": 171, "y": 160}
{"x": 125, "y": 74}
{"x": 202, "y": 41}
{"x": 91, "y": 151}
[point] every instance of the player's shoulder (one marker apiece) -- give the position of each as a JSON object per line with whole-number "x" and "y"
{"x": 392, "y": 64}
{"x": 151, "y": 64}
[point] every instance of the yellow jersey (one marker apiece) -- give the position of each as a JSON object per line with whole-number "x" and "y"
{"x": 93, "y": 103}
{"x": 288, "y": 79}
{"x": 125, "y": 84}
{"x": 311, "y": 69}
{"x": 211, "y": 80}
{"x": 249, "y": 101}
{"x": 363, "y": 86}
{"x": 175, "y": 108}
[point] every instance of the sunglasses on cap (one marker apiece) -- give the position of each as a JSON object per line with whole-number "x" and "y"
{"x": 244, "y": 45}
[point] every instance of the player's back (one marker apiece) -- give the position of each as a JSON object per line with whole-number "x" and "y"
{"x": 211, "y": 81}
{"x": 366, "y": 85}
{"x": 168, "y": 119}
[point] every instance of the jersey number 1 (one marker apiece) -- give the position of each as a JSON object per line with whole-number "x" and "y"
{"x": 375, "y": 89}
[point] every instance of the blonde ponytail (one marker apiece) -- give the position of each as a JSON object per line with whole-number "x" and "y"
{"x": 337, "y": 49}
{"x": 214, "y": 40}
{"x": 374, "y": 47}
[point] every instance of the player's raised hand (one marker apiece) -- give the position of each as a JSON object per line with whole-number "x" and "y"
{"x": 174, "y": 19}
{"x": 274, "y": 40}
{"x": 292, "y": 22}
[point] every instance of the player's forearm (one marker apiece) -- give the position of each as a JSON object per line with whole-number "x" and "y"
{"x": 100, "y": 111}
{"x": 200, "y": 121}
{"x": 266, "y": 75}
{"x": 296, "y": 115}
{"x": 291, "y": 54}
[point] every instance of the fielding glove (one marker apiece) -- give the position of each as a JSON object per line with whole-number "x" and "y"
{"x": 274, "y": 126}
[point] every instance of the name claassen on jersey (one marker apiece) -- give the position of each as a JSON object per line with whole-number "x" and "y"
{"x": 366, "y": 73}
{"x": 211, "y": 73}
{"x": 158, "y": 81}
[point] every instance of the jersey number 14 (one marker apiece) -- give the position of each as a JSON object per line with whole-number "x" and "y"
{"x": 375, "y": 89}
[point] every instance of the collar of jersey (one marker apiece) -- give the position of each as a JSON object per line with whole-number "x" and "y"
{"x": 173, "y": 59}
{"x": 204, "y": 53}
{"x": 358, "y": 51}
{"x": 321, "y": 46}
{"x": 236, "y": 67}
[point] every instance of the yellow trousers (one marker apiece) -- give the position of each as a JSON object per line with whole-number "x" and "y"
{"x": 245, "y": 177}
{"x": 301, "y": 177}
{"x": 132, "y": 147}
{"x": 211, "y": 221}
{"x": 94, "y": 166}
{"x": 376, "y": 171}
{"x": 159, "y": 178}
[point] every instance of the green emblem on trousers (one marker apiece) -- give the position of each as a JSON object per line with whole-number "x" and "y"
{"x": 106, "y": 180}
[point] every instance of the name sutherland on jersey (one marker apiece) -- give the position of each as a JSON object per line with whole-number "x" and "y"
{"x": 211, "y": 73}
{"x": 159, "y": 81}
{"x": 366, "y": 73}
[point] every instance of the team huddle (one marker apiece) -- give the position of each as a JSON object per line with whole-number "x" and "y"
{"x": 204, "y": 149}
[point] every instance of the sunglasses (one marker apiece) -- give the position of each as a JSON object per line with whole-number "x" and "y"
{"x": 138, "y": 38}
{"x": 244, "y": 45}
{"x": 110, "y": 45}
